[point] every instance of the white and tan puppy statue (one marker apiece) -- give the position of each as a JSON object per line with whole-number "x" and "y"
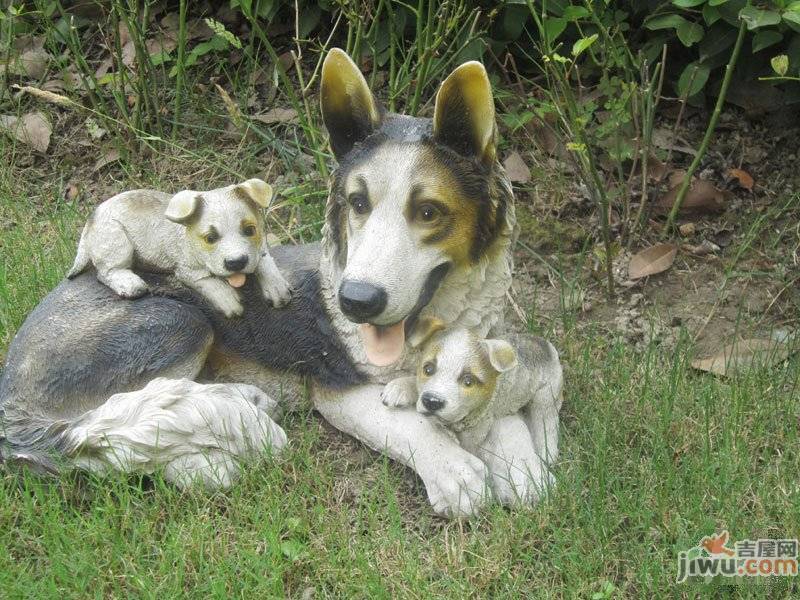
{"x": 210, "y": 240}
{"x": 466, "y": 383}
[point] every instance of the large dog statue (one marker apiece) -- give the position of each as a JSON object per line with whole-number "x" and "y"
{"x": 419, "y": 222}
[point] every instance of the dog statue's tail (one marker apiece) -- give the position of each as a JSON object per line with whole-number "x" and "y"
{"x": 82, "y": 258}
{"x": 192, "y": 433}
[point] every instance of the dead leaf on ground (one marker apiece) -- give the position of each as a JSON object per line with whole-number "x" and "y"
{"x": 32, "y": 129}
{"x": 516, "y": 169}
{"x": 655, "y": 168}
{"x": 687, "y": 229}
{"x": 743, "y": 177}
{"x": 652, "y": 260}
{"x": 744, "y": 354}
{"x": 543, "y": 133}
{"x": 277, "y": 115}
{"x": 665, "y": 139}
{"x": 107, "y": 158}
{"x": 33, "y": 63}
{"x": 702, "y": 197}
{"x": 704, "y": 248}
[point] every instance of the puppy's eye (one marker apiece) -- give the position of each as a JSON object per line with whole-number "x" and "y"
{"x": 429, "y": 368}
{"x": 249, "y": 230}
{"x": 359, "y": 203}
{"x": 468, "y": 380}
{"x": 428, "y": 213}
{"x": 212, "y": 237}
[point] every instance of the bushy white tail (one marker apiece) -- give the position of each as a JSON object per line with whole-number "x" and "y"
{"x": 194, "y": 432}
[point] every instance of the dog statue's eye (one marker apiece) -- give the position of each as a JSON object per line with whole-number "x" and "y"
{"x": 429, "y": 368}
{"x": 359, "y": 203}
{"x": 212, "y": 237}
{"x": 428, "y": 213}
{"x": 468, "y": 380}
{"x": 249, "y": 230}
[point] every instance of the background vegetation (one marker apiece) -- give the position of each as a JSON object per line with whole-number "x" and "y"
{"x": 602, "y": 109}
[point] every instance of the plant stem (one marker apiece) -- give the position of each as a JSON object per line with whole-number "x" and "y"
{"x": 179, "y": 76}
{"x": 712, "y": 124}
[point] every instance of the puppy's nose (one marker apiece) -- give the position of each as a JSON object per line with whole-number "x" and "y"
{"x": 361, "y": 301}
{"x": 236, "y": 264}
{"x": 431, "y": 402}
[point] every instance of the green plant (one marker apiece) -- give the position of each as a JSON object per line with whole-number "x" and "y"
{"x": 708, "y": 29}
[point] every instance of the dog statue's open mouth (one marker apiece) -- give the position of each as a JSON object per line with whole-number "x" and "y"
{"x": 383, "y": 344}
{"x": 236, "y": 280}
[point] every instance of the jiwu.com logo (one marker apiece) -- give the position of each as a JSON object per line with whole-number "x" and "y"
{"x": 748, "y": 558}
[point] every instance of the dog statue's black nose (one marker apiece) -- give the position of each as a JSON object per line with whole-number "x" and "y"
{"x": 236, "y": 264}
{"x": 431, "y": 402}
{"x": 361, "y": 301}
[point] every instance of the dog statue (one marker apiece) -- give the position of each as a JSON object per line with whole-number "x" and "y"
{"x": 204, "y": 238}
{"x": 419, "y": 222}
{"x": 466, "y": 383}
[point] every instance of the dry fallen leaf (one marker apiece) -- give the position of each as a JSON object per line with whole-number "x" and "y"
{"x": 744, "y": 178}
{"x": 652, "y": 260}
{"x": 655, "y": 168}
{"x": 33, "y": 63}
{"x": 743, "y": 354}
{"x": 107, "y": 158}
{"x": 277, "y": 115}
{"x": 687, "y": 229}
{"x": 516, "y": 169}
{"x": 702, "y": 197}
{"x": 32, "y": 129}
{"x": 702, "y": 249}
{"x": 667, "y": 140}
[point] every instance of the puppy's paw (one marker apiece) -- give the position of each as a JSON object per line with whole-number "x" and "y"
{"x": 397, "y": 394}
{"x": 127, "y": 285}
{"x": 229, "y": 305}
{"x": 278, "y": 291}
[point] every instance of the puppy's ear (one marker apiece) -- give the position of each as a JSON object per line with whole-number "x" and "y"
{"x": 183, "y": 206}
{"x": 349, "y": 109}
{"x": 501, "y": 355}
{"x": 256, "y": 190}
{"x": 463, "y": 116}
{"x": 424, "y": 330}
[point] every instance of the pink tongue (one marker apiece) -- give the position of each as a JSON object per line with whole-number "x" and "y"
{"x": 383, "y": 345}
{"x": 237, "y": 280}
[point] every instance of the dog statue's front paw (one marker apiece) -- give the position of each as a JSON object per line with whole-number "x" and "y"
{"x": 278, "y": 291}
{"x": 127, "y": 284}
{"x": 524, "y": 484}
{"x": 457, "y": 486}
{"x": 397, "y": 393}
{"x": 229, "y": 305}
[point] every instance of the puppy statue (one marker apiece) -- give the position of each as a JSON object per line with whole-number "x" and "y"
{"x": 466, "y": 382}
{"x": 210, "y": 240}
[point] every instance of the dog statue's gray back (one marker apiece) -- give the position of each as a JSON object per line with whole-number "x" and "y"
{"x": 82, "y": 344}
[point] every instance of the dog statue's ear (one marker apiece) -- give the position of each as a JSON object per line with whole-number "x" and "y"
{"x": 501, "y": 355}
{"x": 463, "y": 117}
{"x": 256, "y": 190}
{"x": 349, "y": 109}
{"x": 424, "y": 330}
{"x": 182, "y": 206}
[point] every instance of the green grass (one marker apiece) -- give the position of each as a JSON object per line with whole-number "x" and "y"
{"x": 653, "y": 457}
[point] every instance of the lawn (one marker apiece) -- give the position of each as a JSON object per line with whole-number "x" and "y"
{"x": 596, "y": 131}
{"x": 654, "y": 456}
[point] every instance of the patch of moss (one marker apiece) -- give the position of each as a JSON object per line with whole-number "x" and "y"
{"x": 548, "y": 233}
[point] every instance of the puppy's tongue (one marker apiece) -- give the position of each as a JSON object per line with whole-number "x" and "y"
{"x": 383, "y": 345}
{"x": 237, "y": 280}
